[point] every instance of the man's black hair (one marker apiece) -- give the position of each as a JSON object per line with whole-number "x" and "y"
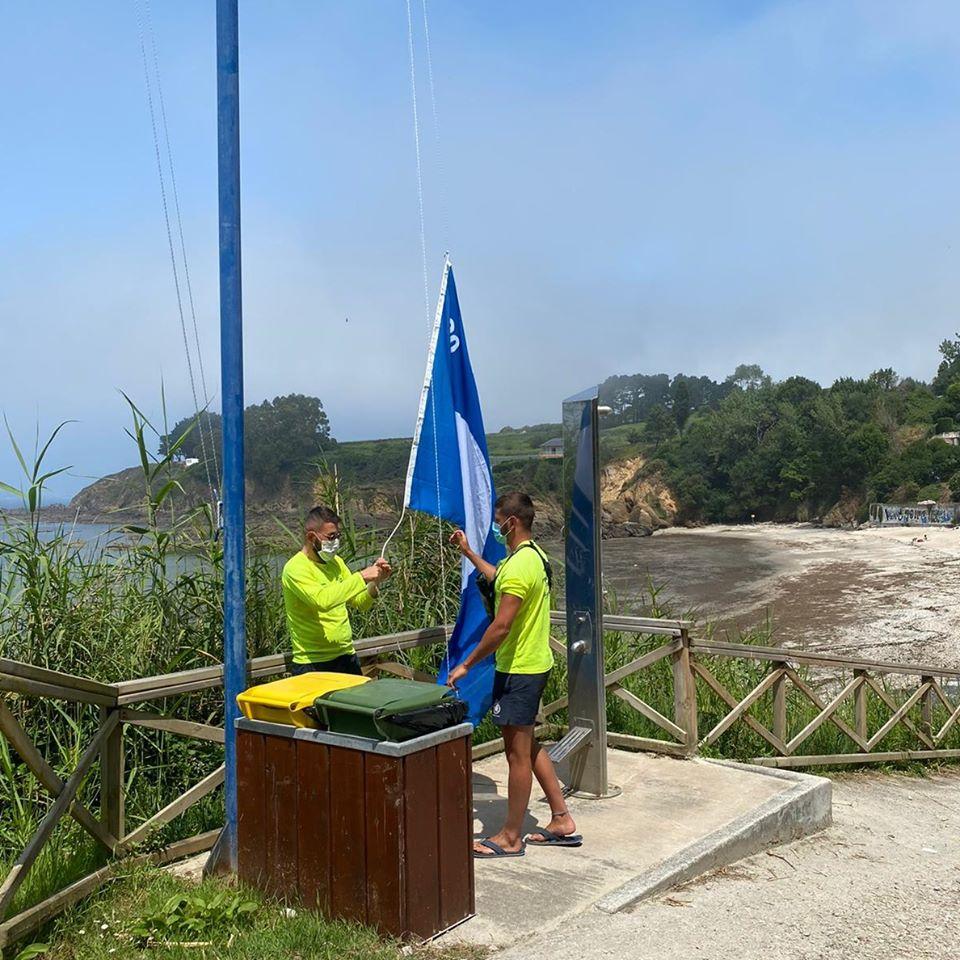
{"x": 519, "y": 505}
{"x": 320, "y": 515}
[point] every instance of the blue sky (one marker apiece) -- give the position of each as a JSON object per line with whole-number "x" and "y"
{"x": 623, "y": 187}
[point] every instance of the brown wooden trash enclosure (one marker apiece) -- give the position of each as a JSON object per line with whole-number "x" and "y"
{"x": 378, "y": 833}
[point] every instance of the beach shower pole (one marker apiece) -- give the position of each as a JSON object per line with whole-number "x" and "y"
{"x": 231, "y": 374}
{"x": 585, "y": 745}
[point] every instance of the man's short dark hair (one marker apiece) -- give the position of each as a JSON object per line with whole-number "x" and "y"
{"x": 320, "y": 515}
{"x": 519, "y": 505}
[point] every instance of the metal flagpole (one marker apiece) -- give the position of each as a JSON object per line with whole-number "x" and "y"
{"x": 231, "y": 372}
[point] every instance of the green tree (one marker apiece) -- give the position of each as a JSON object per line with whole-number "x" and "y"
{"x": 885, "y": 379}
{"x": 954, "y": 484}
{"x": 659, "y": 426}
{"x": 798, "y": 391}
{"x": 284, "y": 436}
{"x": 681, "y": 401}
{"x": 949, "y": 368}
{"x": 193, "y": 444}
{"x": 748, "y": 376}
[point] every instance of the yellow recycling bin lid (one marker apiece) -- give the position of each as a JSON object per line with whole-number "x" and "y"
{"x": 285, "y": 701}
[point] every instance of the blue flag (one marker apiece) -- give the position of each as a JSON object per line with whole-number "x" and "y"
{"x": 449, "y": 476}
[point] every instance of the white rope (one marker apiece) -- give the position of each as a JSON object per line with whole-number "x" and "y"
{"x": 393, "y": 532}
{"x": 425, "y": 393}
{"x": 445, "y": 226}
{"x": 183, "y": 247}
{"x": 423, "y": 234}
{"x": 170, "y": 243}
{"x": 416, "y": 136}
{"x": 426, "y": 303}
{"x": 441, "y": 176}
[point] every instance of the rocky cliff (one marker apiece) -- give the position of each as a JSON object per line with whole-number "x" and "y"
{"x": 634, "y": 505}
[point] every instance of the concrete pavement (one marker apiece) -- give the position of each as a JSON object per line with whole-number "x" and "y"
{"x": 882, "y": 883}
{"x": 674, "y": 819}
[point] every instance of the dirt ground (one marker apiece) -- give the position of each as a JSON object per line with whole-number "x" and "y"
{"x": 883, "y": 883}
{"x": 885, "y": 594}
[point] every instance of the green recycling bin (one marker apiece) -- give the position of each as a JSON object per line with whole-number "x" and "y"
{"x": 390, "y": 709}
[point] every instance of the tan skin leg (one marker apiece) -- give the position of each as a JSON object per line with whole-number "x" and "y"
{"x": 561, "y": 822}
{"x": 524, "y": 756}
{"x": 524, "y": 759}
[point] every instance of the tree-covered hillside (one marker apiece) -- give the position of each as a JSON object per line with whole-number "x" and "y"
{"x": 287, "y": 440}
{"x": 743, "y": 448}
{"x": 794, "y": 450}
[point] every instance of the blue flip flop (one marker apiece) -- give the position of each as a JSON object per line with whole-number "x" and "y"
{"x": 497, "y": 852}
{"x": 551, "y": 839}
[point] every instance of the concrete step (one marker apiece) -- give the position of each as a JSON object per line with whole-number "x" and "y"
{"x": 674, "y": 820}
{"x": 575, "y": 738}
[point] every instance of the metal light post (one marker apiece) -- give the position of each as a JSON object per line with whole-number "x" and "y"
{"x": 231, "y": 373}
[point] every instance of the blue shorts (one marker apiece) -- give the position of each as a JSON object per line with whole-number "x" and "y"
{"x": 516, "y": 698}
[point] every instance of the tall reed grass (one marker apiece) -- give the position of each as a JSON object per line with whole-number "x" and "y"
{"x": 147, "y": 599}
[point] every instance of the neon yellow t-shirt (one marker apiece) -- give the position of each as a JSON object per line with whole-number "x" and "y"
{"x": 316, "y": 596}
{"x": 527, "y": 646}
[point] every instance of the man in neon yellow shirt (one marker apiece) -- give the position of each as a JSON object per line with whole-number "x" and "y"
{"x": 520, "y": 635}
{"x": 318, "y": 587}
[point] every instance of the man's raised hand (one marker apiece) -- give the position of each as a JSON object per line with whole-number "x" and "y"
{"x": 459, "y": 539}
{"x": 377, "y": 572}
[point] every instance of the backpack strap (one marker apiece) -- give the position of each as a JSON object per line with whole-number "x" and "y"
{"x": 487, "y": 587}
{"x": 543, "y": 559}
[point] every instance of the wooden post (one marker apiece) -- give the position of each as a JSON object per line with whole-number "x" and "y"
{"x": 926, "y": 708}
{"x": 111, "y": 778}
{"x": 685, "y": 693}
{"x": 23, "y": 863}
{"x": 780, "y": 706}
{"x": 860, "y": 706}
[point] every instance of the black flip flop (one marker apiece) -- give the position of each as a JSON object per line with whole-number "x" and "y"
{"x": 551, "y": 839}
{"x": 498, "y": 853}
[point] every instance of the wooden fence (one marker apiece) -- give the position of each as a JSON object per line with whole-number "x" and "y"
{"x": 910, "y": 695}
{"x": 122, "y": 705}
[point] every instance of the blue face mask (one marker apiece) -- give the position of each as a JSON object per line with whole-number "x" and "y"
{"x": 498, "y": 534}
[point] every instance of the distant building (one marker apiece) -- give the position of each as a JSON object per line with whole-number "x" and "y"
{"x": 552, "y": 448}
{"x": 925, "y": 513}
{"x": 953, "y": 438}
{"x": 186, "y": 461}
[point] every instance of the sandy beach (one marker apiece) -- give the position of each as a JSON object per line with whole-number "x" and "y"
{"x": 878, "y": 593}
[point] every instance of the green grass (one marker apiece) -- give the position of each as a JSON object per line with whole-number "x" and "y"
{"x": 621, "y": 442}
{"x": 111, "y": 925}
